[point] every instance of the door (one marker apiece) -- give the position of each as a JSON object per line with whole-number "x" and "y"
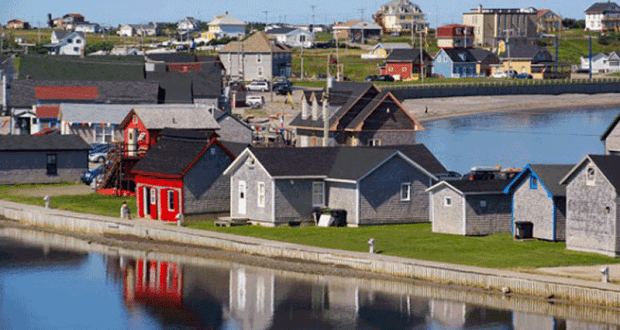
{"x": 242, "y": 198}
{"x": 154, "y": 208}
{"x": 146, "y": 200}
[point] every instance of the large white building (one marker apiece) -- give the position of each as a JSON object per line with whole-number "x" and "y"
{"x": 603, "y": 16}
{"x": 398, "y": 16}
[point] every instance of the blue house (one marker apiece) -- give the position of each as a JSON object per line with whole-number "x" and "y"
{"x": 454, "y": 63}
{"x": 538, "y": 197}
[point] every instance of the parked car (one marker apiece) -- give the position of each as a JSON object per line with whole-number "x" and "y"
{"x": 98, "y": 153}
{"x": 282, "y": 81}
{"x": 371, "y": 77}
{"x": 254, "y": 101}
{"x": 523, "y": 75}
{"x": 483, "y": 173}
{"x": 504, "y": 74}
{"x": 321, "y": 76}
{"x": 385, "y": 77}
{"x": 88, "y": 176}
{"x": 261, "y": 86}
{"x": 449, "y": 176}
{"x": 282, "y": 89}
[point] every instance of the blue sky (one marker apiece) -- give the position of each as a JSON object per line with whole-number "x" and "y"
{"x": 114, "y": 12}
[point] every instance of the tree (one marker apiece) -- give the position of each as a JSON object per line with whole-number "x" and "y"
{"x": 571, "y": 23}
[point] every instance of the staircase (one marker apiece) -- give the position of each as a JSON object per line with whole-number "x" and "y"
{"x": 113, "y": 169}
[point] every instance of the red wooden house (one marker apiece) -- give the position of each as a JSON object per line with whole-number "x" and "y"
{"x": 455, "y": 36}
{"x": 182, "y": 174}
{"x": 405, "y": 64}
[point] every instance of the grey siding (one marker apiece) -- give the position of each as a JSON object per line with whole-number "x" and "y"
{"x": 342, "y": 196}
{"x": 31, "y": 166}
{"x": 612, "y": 142}
{"x": 205, "y": 189}
{"x": 88, "y": 133}
{"x": 380, "y": 195}
{"x": 387, "y": 137}
{"x": 535, "y": 206}
{"x": 560, "y": 218}
{"x": 250, "y": 66}
{"x": 590, "y": 226}
{"x": 234, "y": 131}
{"x": 492, "y": 219}
{"x": 252, "y": 175}
{"x": 447, "y": 219}
{"x": 293, "y": 199}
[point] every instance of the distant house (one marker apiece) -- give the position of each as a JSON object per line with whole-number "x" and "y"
{"x": 144, "y": 30}
{"x": 46, "y": 117}
{"x": 42, "y": 159}
{"x": 358, "y": 115}
{"x": 601, "y": 63}
{"x": 93, "y": 122}
{"x": 190, "y": 184}
{"x": 404, "y": 64}
{"x": 534, "y": 60}
{"x": 455, "y": 63}
{"x": 256, "y": 58}
{"x": 292, "y": 37}
{"x": 547, "y": 21}
{"x": 382, "y": 50}
{"x": 68, "y": 21}
{"x": 372, "y": 186}
{"x": 67, "y": 43}
{"x": 357, "y": 31}
{"x": 455, "y": 36}
{"x": 188, "y": 24}
{"x": 398, "y": 16}
{"x": 538, "y": 197}
{"x": 225, "y": 26}
{"x": 467, "y": 207}
{"x": 603, "y": 16}
{"x": 611, "y": 137}
{"x": 87, "y": 27}
{"x": 592, "y": 204}
{"x": 187, "y": 78}
{"x": 17, "y": 24}
{"x": 484, "y": 60}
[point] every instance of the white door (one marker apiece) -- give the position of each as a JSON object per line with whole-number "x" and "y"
{"x": 242, "y": 199}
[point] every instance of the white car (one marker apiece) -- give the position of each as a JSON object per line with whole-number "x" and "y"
{"x": 261, "y": 86}
{"x": 255, "y": 101}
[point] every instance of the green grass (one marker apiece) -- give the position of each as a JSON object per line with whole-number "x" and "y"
{"x": 418, "y": 242}
{"x": 92, "y": 203}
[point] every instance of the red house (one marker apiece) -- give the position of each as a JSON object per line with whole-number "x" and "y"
{"x": 455, "y": 36}
{"x": 182, "y": 174}
{"x": 404, "y": 64}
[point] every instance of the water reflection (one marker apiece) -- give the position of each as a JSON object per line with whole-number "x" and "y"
{"x": 517, "y": 139}
{"x": 158, "y": 290}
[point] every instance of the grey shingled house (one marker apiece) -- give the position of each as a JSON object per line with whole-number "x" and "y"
{"x": 538, "y": 197}
{"x": 42, "y": 158}
{"x": 359, "y": 114}
{"x": 470, "y": 207}
{"x": 592, "y": 200}
{"x": 611, "y": 137}
{"x": 378, "y": 185}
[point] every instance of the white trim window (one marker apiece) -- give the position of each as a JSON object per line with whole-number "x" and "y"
{"x": 405, "y": 191}
{"x": 318, "y": 193}
{"x": 171, "y": 200}
{"x": 153, "y": 196}
{"x": 261, "y": 194}
{"x": 259, "y": 58}
{"x": 447, "y": 201}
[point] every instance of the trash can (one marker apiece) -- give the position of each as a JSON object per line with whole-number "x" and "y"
{"x": 524, "y": 229}
{"x": 316, "y": 214}
{"x": 340, "y": 217}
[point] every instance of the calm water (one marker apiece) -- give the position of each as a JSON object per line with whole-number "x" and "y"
{"x": 55, "y": 282}
{"x": 517, "y": 139}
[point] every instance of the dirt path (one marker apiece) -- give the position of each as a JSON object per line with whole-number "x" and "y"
{"x": 78, "y": 189}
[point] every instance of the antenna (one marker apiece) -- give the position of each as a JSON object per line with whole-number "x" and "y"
{"x": 312, "y": 13}
{"x": 362, "y": 13}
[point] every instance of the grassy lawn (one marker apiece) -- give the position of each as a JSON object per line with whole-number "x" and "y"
{"x": 91, "y": 203}
{"x": 417, "y": 241}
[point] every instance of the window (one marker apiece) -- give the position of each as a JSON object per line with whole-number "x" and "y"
{"x": 483, "y": 203}
{"x": 78, "y": 41}
{"x": 533, "y": 182}
{"x": 153, "y": 196}
{"x": 318, "y": 193}
{"x": 212, "y": 151}
{"x": 52, "y": 168}
{"x": 260, "y": 71}
{"x": 75, "y": 49}
{"x": 447, "y": 201}
{"x": 405, "y": 191}
{"x": 404, "y": 69}
{"x": 170, "y": 200}
{"x": 69, "y": 41}
{"x": 590, "y": 176}
{"x": 374, "y": 142}
{"x": 103, "y": 133}
{"x": 259, "y": 58}
{"x": 261, "y": 194}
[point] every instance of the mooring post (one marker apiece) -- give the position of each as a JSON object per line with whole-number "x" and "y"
{"x": 371, "y": 245}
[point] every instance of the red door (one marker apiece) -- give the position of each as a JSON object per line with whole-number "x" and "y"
{"x": 153, "y": 202}
{"x": 170, "y": 204}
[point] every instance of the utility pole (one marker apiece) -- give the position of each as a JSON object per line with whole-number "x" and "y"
{"x": 312, "y": 15}
{"x": 361, "y": 13}
{"x": 421, "y": 58}
{"x": 302, "y": 60}
{"x": 590, "y": 57}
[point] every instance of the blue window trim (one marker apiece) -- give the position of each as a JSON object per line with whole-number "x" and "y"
{"x": 533, "y": 182}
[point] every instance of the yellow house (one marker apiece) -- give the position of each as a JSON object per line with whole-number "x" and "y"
{"x": 382, "y": 50}
{"x": 534, "y": 60}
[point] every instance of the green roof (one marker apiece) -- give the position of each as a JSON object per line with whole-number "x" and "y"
{"x": 64, "y": 67}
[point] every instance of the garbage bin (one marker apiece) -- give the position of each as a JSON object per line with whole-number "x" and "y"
{"x": 340, "y": 217}
{"x": 524, "y": 229}
{"x": 316, "y": 214}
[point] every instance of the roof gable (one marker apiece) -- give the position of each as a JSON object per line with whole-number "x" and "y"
{"x": 603, "y": 7}
{"x": 607, "y": 164}
{"x": 473, "y": 187}
{"x": 549, "y": 175}
{"x": 256, "y": 43}
{"x": 610, "y": 128}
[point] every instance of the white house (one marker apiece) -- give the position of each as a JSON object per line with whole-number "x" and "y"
{"x": 87, "y": 27}
{"x": 601, "y": 62}
{"x": 292, "y": 37}
{"x": 188, "y": 24}
{"x": 225, "y": 26}
{"x": 67, "y": 43}
{"x": 603, "y": 16}
{"x": 145, "y": 30}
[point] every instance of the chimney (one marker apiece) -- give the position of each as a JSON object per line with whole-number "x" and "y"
{"x": 315, "y": 108}
{"x": 304, "y": 108}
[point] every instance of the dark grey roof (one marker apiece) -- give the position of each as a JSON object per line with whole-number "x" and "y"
{"x": 603, "y": 7}
{"x": 69, "y": 67}
{"x": 550, "y": 175}
{"x": 121, "y": 92}
{"x": 479, "y": 186}
{"x": 526, "y": 51}
{"x": 481, "y": 54}
{"x": 42, "y": 142}
{"x": 174, "y": 152}
{"x": 610, "y": 127}
{"x": 459, "y": 55}
{"x": 235, "y": 147}
{"x": 408, "y": 55}
{"x": 181, "y": 58}
{"x": 349, "y": 163}
{"x": 282, "y": 30}
{"x": 610, "y": 166}
{"x": 184, "y": 87}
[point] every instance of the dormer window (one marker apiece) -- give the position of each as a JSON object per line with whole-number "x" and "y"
{"x": 590, "y": 176}
{"x": 69, "y": 40}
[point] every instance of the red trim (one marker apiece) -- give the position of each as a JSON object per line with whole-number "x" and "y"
{"x": 66, "y": 92}
{"x": 155, "y": 175}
